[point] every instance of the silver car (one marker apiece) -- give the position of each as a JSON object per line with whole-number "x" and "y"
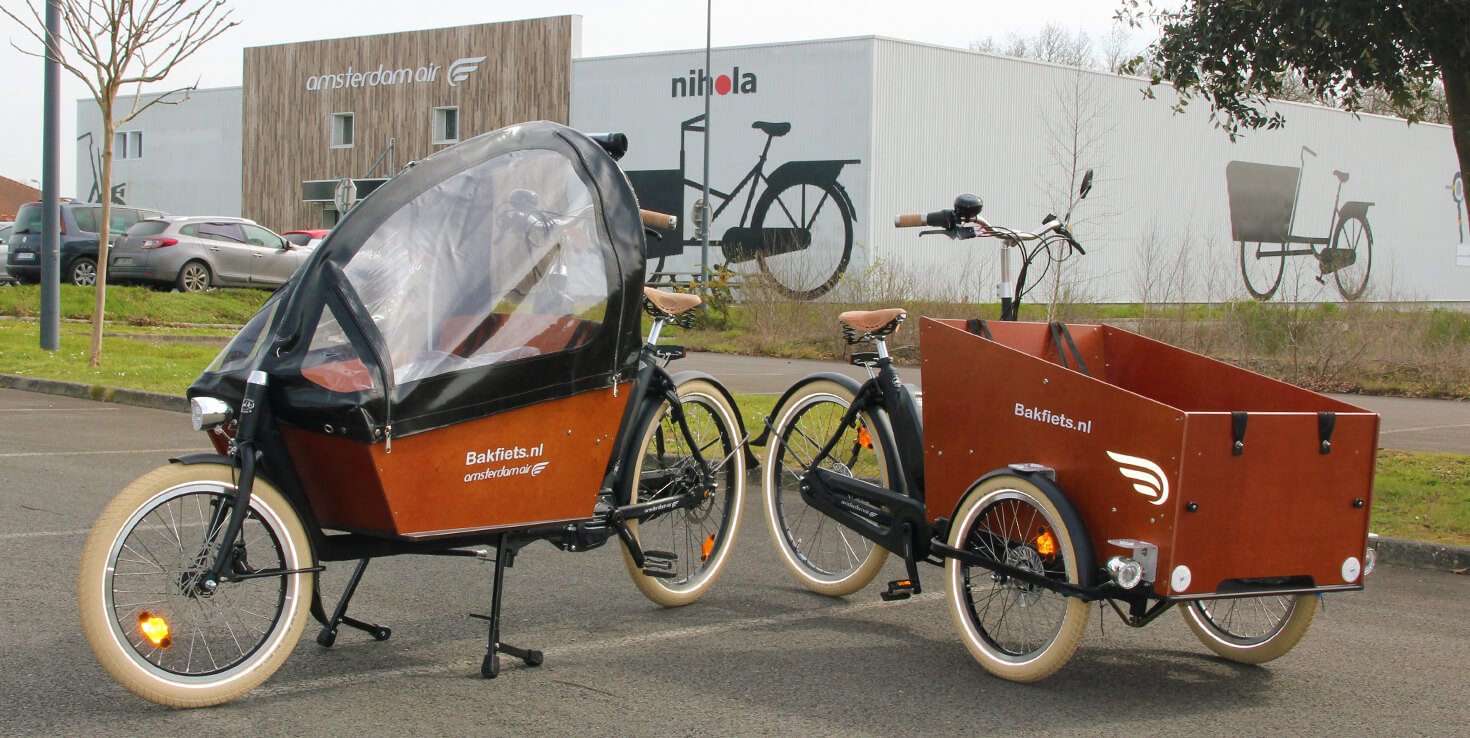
{"x": 197, "y": 253}
{"x": 5, "y": 229}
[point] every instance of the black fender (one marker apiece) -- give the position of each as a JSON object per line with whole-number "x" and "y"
{"x": 1352, "y": 209}
{"x": 192, "y": 459}
{"x": 881, "y": 424}
{"x": 750, "y": 461}
{"x": 852, "y": 385}
{"x": 1087, "y": 571}
{"x": 812, "y": 172}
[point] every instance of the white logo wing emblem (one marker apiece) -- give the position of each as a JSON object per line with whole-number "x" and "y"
{"x": 539, "y": 467}
{"x": 1149, "y": 479}
{"x": 460, "y": 70}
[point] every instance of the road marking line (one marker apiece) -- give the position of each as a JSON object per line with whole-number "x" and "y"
{"x": 576, "y": 650}
{"x": 93, "y": 453}
{"x": 43, "y": 534}
{"x": 1425, "y": 428}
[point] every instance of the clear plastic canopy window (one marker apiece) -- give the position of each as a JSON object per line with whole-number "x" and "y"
{"x": 500, "y": 262}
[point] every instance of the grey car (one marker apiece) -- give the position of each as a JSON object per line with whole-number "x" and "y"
{"x": 5, "y": 229}
{"x": 196, "y": 253}
{"x": 78, "y": 239}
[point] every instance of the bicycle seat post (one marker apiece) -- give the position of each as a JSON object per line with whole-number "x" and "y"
{"x": 658, "y": 327}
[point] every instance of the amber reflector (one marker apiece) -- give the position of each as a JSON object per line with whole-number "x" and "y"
{"x": 1046, "y": 543}
{"x": 707, "y": 547}
{"x": 864, "y": 439}
{"x": 155, "y": 629}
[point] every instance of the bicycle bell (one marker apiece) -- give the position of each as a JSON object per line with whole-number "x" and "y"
{"x": 967, "y": 206}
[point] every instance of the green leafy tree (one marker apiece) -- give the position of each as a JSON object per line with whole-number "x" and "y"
{"x": 1348, "y": 53}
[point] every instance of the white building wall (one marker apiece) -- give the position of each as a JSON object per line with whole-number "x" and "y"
{"x": 822, "y": 88}
{"x": 191, "y": 160}
{"x": 950, "y": 121}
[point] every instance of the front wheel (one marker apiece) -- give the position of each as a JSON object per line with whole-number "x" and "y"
{"x": 820, "y": 552}
{"x": 1017, "y": 630}
{"x": 147, "y": 620}
{"x": 1261, "y": 268}
{"x": 699, "y": 536}
{"x": 806, "y": 238}
{"x": 1251, "y": 630}
{"x": 83, "y": 272}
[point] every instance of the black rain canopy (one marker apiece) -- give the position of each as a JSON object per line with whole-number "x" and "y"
{"x": 499, "y": 272}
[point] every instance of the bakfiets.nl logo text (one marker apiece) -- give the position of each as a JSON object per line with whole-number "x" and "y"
{"x": 734, "y": 83}
{"x": 385, "y": 76}
{"x": 506, "y": 461}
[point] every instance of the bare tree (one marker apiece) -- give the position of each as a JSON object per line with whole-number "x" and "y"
{"x": 1053, "y": 43}
{"x": 112, "y": 44}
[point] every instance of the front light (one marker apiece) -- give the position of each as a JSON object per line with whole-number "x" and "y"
{"x": 1125, "y": 571}
{"x": 207, "y": 412}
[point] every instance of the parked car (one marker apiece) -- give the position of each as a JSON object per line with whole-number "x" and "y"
{"x": 308, "y": 238}
{"x": 199, "y": 252}
{"x": 5, "y": 229}
{"x": 78, "y": 239}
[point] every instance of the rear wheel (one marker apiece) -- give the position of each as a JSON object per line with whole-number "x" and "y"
{"x": 822, "y": 554}
{"x": 1353, "y": 235}
{"x": 700, "y": 537}
{"x": 1017, "y": 630}
{"x": 809, "y": 240}
{"x": 194, "y": 277}
{"x": 147, "y": 619}
{"x": 83, "y": 272}
{"x": 1251, "y": 630}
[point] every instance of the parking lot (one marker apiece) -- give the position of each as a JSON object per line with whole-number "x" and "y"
{"x": 757, "y": 656}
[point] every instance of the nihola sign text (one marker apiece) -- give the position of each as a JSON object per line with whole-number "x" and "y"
{"x": 384, "y": 76}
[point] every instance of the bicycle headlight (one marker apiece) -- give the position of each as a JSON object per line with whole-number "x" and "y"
{"x": 208, "y": 412}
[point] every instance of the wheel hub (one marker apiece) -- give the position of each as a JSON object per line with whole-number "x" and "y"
{"x": 1025, "y": 558}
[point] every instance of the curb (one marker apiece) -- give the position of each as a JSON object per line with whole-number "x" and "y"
{"x": 1391, "y": 551}
{"x": 1423, "y": 555}
{"x": 136, "y": 398}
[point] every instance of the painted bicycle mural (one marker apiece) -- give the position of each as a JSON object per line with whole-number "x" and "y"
{"x": 1263, "y": 205}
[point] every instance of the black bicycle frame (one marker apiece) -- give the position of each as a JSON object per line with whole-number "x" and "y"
{"x": 756, "y": 172}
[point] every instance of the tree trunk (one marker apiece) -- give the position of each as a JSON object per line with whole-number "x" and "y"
{"x": 104, "y": 230}
{"x": 1457, "y": 98}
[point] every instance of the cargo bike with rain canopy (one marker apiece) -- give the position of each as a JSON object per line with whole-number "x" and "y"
{"x": 460, "y": 364}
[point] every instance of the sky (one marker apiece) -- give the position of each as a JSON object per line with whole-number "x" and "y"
{"x": 608, "y": 27}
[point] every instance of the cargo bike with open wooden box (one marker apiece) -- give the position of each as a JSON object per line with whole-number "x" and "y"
{"x": 459, "y": 364}
{"x": 1048, "y": 466}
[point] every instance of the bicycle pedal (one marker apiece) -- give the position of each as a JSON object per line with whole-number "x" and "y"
{"x": 659, "y": 573}
{"x": 668, "y": 556}
{"x": 899, "y": 589}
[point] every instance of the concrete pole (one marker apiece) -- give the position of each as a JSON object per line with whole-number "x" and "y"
{"x": 50, "y": 184}
{"x": 709, "y": 81}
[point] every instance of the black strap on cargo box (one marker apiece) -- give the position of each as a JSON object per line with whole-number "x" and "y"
{"x": 1325, "y": 423}
{"x": 1058, "y": 332}
{"x": 1237, "y": 426}
{"x": 979, "y": 327}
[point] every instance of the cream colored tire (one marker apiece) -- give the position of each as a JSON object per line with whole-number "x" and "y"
{"x": 144, "y": 545}
{"x": 1017, "y": 631}
{"x": 822, "y": 554}
{"x": 662, "y": 450}
{"x": 1251, "y": 630}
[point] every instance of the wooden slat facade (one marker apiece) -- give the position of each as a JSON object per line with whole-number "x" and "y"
{"x": 526, "y": 75}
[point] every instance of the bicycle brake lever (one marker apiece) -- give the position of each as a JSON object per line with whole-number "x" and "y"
{"x": 934, "y": 232}
{"x": 651, "y": 232}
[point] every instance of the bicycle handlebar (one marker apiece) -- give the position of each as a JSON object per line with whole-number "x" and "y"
{"x": 654, "y": 219}
{"x": 939, "y": 219}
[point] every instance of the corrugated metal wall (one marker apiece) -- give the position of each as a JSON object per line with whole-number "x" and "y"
{"x": 949, "y": 121}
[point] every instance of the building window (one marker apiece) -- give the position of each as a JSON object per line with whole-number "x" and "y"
{"x": 446, "y": 125}
{"x": 127, "y": 145}
{"x": 342, "y": 130}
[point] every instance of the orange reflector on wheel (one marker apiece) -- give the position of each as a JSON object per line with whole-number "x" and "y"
{"x": 1046, "y": 543}
{"x": 155, "y": 629}
{"x": 864, "y": 439}
{"x": 707, "y": 547}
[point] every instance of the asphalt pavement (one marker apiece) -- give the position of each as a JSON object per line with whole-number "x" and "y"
{"x": 756, "y": 656}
